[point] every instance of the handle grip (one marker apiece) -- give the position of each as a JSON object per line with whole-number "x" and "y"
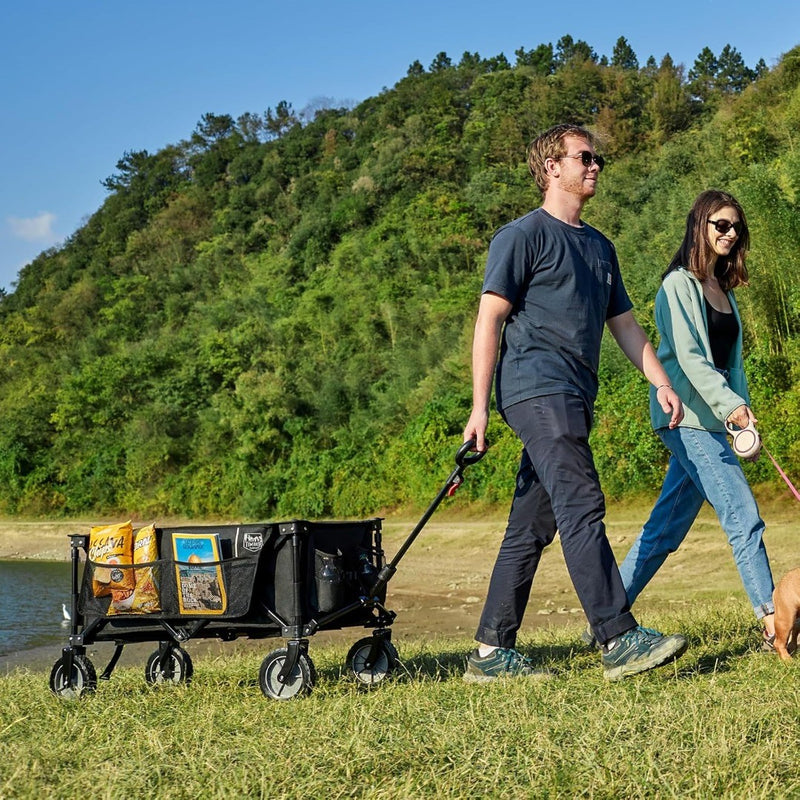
{"x": 465, "y": 456}
{"x": 746, "y": 441}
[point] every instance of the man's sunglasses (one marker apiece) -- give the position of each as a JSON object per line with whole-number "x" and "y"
{"x": 587, "y": 158}
{"x": 723, "y": 225}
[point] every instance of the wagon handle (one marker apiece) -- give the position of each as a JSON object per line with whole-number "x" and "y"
{"x": 463, "y": 459}
{"x": 452, "y": 483}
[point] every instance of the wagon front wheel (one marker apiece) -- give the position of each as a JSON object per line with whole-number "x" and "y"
{"x": 298, "y": 682}
{"x": 76, "y": 682}
{"x": 175, "y": 667}
{"x": 372, "y": 660}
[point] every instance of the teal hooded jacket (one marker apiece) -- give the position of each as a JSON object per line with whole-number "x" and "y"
{"x": 685, "y": 351}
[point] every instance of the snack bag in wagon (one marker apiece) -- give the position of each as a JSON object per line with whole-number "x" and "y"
{"x": 111, "y": 554}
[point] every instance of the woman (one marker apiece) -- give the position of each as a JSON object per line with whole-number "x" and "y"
{"x": 701, "y": 350}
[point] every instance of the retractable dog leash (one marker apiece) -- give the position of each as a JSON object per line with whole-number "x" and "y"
{"x": 781, "y": 472}
{"x": 747, "y": 442}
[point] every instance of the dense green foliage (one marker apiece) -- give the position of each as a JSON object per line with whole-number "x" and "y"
{"x": 274, "y": 316}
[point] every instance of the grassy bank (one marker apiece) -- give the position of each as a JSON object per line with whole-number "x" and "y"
{"x": 721, "y": 722}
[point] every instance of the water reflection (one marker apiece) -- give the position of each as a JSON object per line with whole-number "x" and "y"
{"x": 31, "y": 611}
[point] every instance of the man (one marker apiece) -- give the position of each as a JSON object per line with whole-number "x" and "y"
{"x": 551, "y": 284}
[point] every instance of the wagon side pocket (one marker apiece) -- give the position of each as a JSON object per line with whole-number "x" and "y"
{"x": 329, "y": 580}
{"x": 215, "y": 588}
{"x": 143, "y": 598}
{"x": 210, "y": 571}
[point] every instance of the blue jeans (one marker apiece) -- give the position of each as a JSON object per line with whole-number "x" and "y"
{"x": 702, "y": 466}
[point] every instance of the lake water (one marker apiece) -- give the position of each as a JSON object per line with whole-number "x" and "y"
{"x": 30, "y": 614}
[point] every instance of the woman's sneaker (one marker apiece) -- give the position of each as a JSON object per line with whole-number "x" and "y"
{"x": 587, "y": 637}
{"x": 767, "y": 641}
{"x": 500, "y": 663}
{"x": 640, "y": 649}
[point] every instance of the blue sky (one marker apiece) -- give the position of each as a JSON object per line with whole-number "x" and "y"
{"x": 86, "y": 81}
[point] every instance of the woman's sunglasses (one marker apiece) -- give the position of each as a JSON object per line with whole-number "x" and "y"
{"x": 587, "y": 158}
{"x": 723, "y": 225}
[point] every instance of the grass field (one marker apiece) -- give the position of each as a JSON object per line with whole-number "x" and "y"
{"x": 722, "y": 722}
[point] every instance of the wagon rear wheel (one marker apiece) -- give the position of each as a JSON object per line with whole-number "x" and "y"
{"x": 76, "y": 682}
{"x": 175, "y": 667}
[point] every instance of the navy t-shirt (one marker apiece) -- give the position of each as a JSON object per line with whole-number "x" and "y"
{"x": 563, "y": 283}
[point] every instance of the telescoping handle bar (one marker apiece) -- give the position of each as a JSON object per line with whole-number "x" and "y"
{"x": 465, "y": 457}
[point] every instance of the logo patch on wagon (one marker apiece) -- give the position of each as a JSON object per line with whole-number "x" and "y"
{"x": 252, "y": 541}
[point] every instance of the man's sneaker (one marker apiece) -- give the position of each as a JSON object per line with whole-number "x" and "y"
{"x": 501, "y": 663}
{"x": 640, "y": 649}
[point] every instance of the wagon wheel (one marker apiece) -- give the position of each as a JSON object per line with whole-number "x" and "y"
{"x": 371, "y": 672}
{"x": 297, "y": 684}
{"x": 175, "y": 667}
{"x": 81, "y": 680}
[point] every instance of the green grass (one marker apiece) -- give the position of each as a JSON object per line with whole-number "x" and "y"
{"x": 720, "y": 722}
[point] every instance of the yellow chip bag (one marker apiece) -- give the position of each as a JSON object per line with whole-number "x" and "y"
{"x": 143, "y": 599}
{"x": 145, "y": 551}
{"x": 110, "y": 551}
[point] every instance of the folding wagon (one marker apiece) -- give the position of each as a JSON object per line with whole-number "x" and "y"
{"x": 264, "y": 580}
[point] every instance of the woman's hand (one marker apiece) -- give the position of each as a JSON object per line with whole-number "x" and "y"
{"x": 741, "y": 417}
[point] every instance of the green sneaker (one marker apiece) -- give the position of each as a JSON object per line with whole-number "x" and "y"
{"x": 640, "y": 649}
{"x": 587, "y": 637}
{"x": 501, "y": 663}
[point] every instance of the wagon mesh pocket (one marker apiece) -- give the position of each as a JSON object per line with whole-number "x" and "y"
{"x": 211, "y": 569}
{"x": 144, "y": 598}
{"x": 213, "y": 588}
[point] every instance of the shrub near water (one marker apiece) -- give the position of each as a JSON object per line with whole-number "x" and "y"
{"x": 720, "y": 722}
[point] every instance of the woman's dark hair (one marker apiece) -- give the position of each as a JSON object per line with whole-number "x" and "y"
{"x": 696, "y": 252}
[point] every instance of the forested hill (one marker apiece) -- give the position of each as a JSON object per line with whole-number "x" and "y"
{"x": 273, "y": 317}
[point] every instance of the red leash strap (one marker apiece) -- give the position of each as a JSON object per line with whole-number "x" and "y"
{"x": 780, "y": 471}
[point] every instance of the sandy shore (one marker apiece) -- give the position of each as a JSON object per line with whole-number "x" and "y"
{"x": 48, "y": 541}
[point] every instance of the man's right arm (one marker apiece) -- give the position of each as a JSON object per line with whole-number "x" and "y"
{"x": 492, "y": 313}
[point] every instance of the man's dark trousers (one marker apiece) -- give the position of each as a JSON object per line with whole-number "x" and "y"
{"x": 557, "y": 489}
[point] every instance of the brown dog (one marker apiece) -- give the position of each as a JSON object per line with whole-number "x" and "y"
{"x": 787, "y": 608}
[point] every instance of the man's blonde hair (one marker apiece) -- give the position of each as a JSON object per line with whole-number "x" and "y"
{"x": 550, "y": 144}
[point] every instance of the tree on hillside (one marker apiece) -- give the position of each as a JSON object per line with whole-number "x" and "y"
{"x": 712, "y": 77}
{"x": 441, "y": 62}
{"x": 670, "y": 106}
{"x": 623, "y": 56}
{"x": 702, "y": 75}
{"x": 733, "y": 76}
{"x": 621, "y": 118}
{"x": 569, "y": 51}
{"x": 541, "y": 59}
{"x": 281, "y": 121}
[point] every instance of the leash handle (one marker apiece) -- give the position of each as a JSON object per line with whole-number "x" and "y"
{"x": 781, "y": 472}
